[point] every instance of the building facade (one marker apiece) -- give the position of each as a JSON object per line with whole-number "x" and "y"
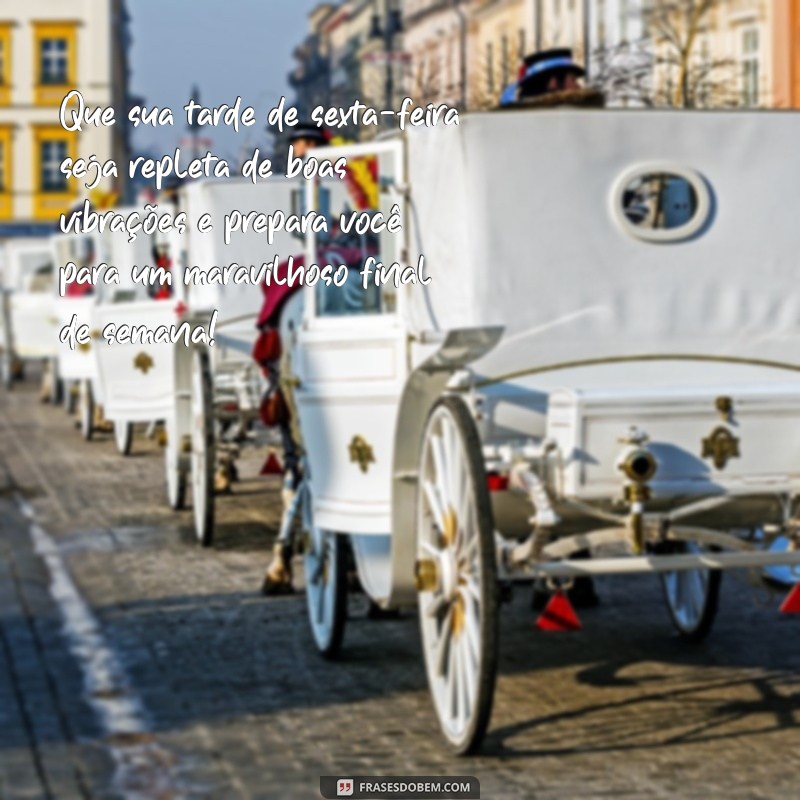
{"x": 684, "y": 53}
{"x": 46, "y": 50}
{"x": 786, "y": 60}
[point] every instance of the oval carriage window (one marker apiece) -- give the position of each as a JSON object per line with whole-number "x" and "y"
{"x": 661, "y": 203}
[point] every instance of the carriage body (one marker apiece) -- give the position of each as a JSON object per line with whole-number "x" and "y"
{"x": 135, "y": 380}
{"x": 603, "y": 363}
{"x": 217, "y": 389}
{"x": 237, "y": 381}
{"x": 76, "y": 364}
{"x": 29, "y": 327}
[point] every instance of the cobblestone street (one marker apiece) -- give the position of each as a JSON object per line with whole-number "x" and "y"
{"x": 134, "y": 663}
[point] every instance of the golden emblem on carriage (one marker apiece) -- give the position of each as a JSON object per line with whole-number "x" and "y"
{"x": 143, "y": 362}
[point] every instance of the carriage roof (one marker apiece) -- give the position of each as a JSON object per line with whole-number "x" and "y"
{"x": 519, "y": 219}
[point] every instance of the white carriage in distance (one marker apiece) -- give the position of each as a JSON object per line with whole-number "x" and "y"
{"x": 207, "y": 397}
{"x": 26, "y": 306}
{"x": 73, "y": 371}
{"x": 605, "y": 360}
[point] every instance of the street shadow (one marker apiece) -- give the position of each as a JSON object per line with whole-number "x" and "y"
{"x": 233, "y": 654}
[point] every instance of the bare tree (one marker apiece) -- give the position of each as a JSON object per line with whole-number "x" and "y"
{"x": 675, "y": 28}
{"x": 670, "y": 65}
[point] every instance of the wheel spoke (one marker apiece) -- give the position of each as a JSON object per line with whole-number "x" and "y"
{"x": 434, "y": 605}
{"x": 434, "y": 505}
{"x": 441, "y": 648}
{"x": 454, "y": 460}
{"x": 467, "y": 676}
{"x": 472, "y": 632}
{"x": 440, "y": 470}
{"x": 452, "y": 678}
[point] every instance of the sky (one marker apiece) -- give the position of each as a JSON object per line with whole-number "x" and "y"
{"x": 226, "y": 48}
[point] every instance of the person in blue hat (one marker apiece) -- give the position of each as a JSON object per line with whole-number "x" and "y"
{"x": 550, "y": 77}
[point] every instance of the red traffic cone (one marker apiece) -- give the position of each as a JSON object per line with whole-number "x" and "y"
{"x": 272, "y": 466}
{"x": 558, "y": 615}
{"x": 791, "y": 605}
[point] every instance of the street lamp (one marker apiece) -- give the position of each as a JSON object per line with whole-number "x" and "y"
{"x": 385, "y": 30}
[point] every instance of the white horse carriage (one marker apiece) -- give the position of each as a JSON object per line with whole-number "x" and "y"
{"x": 217, "y": 390}
{"x": 134, "y": 382}
{"x": 605, "y": 360}
{"x": 74, "y": 369}
{"x": 27, "y": 300}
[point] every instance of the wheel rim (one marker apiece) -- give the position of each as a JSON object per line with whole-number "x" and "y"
{"x": 202, "y": 455}
{"x": 175, "y": 477}
{"x": 123, "y": 434}
{"x": 450, "y": 611}
{"x": 87, "y": 409}
{"x": 687, "y": 593}
{"x": 322, "y": 576}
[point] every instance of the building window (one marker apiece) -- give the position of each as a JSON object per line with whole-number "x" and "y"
{"x": 53, "y": 65}
{"x": 521, "y": 45}
{"x": 51, "y": 154}
{"x": 505, "y": 56}
{"x": 490, "y": 68}
{"x": 750, "y": 67}
{"x": 55, "y": 49}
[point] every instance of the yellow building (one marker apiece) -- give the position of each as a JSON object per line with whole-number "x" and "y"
{"x": 46, "y": 50}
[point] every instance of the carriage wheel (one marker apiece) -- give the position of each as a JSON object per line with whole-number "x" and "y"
{"x": 55, "y": 392}
{"x": 692, "y": 597}
{"x": 457, "y": 575}
{"x": 86, "y": 402}
{"x": 176, "y": 472}
{"x": 123, "y": 436}
{"x": 71, "y": 397}
{"x": 325, "y": 564}
{"x": 203, "y": 448}
{"x": 7, "y": 369}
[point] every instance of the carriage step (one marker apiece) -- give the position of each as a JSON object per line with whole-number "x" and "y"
{"x": 558, "y": 615}
{"x": 791, "y": 604}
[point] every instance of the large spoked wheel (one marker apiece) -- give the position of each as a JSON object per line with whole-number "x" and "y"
{"x": 71, "y": 397}
{"x": 176, "y": 472}
{"x": 325, "y": 564}
{"x": 123, "y": 437}
{"x": 87, "y": 411}
{"x": 55, "y": 387}
{"x": 7, "y": 369}
{"x": 203, "y": 448}
{"x": 692, "y": 597}
{"x": 457, "y": 575}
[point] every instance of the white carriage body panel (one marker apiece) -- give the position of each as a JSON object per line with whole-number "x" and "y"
{"x": 588, "y": 426}
{"x": 80, "y": 363}
{"x": 352, "y": 363}
{"x": 28, "y": 277}
{"x": 130, "y": 393}
{"x": 137, "y": 381}
{"x": 85, "y": 251}
{"x": 350, "y": 385}
{"x": 513, "y": 213}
